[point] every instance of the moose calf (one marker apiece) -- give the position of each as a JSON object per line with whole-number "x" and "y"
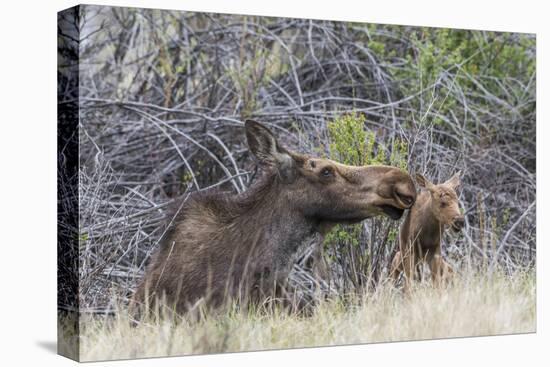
{"x": 420, "y": 237}
{"x": 224, "y": 246}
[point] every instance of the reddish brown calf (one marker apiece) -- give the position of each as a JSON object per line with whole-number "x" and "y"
{"x": 420, "y": 237}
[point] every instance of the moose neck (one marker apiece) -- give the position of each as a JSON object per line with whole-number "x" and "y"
{"x": 267, "y": 209}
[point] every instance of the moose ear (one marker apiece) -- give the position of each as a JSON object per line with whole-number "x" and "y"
{"x": 266, "y": 149}
{"x": 423, "y": 182}
{"x": 454, "y": 181}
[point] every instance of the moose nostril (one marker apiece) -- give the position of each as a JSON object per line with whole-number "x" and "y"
{"x": 408, "y": 200}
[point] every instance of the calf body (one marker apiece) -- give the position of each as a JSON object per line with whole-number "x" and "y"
{"x": 436, "y": 207}
{"x": 225, "y": 246}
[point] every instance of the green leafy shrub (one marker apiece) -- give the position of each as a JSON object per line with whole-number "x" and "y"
{"x": 348, "y": 245}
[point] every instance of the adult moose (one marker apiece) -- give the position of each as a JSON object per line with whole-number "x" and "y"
{"x": 224, "y": 246}
{"x": 420, "y": 236}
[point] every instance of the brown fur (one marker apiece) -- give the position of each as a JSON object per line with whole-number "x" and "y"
{"x": 420, "y": 237}
{"x": 225, "y": 246}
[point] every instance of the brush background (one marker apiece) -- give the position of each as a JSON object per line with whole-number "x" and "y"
{"x": 31, "y": 229}
{"x": 162, "y": 96}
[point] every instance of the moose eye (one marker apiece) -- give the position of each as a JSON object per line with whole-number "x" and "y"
{"x": 326, "y": 172}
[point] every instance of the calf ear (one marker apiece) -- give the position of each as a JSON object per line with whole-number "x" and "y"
{"x": 454, "y": 181}
{"x": 266, "y": 149}
{"x": 423, "y": 182}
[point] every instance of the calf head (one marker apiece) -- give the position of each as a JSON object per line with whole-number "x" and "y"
{"x": 444, "y": 200}
{"x": 329, "y": 191}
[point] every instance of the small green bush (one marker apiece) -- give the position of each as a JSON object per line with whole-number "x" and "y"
{"x": 351, "y": 143}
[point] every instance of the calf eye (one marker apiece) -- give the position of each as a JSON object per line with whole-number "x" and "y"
{"x": 312, "y": 164}
{"x": 326, "y": 172}
{"x": 443, "y": 204}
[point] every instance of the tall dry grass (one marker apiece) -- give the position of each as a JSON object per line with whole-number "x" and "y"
{"x": 472, "y": 305}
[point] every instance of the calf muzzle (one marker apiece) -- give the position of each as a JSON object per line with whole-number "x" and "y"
{"x": 458, "y": 223}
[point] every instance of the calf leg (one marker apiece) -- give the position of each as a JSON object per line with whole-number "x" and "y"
{"x": 436, "y": 268}
{"x": 408, "y": 263}
{"x": 446, "y": 271}
{"x": 396, "y": 266}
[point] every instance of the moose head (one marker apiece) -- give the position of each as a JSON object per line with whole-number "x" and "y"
{"x": 444, "y": 200}
{"x": 330, "y": 191}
